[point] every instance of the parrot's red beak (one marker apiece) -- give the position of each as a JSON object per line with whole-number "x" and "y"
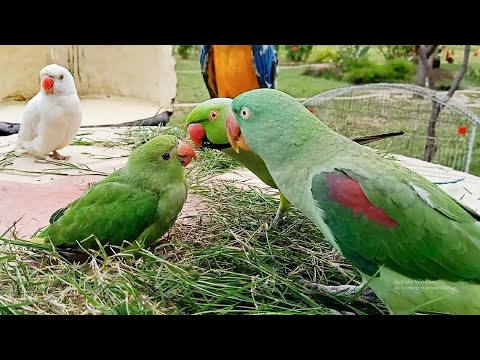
{"x": 234, "y": 133}
{"x": 196, "y": 133}
{"x": 47, "y": 83}
{"x": 185, "y": 153}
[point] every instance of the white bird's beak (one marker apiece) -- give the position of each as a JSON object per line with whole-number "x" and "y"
{"x": 47, "y": 84}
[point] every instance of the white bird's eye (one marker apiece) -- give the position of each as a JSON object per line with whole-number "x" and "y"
{"x": 61, "y": 77}
{"x": 245, "y": 113}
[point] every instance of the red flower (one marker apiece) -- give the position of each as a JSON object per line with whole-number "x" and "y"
{"x": 462, "y": 130}
{"x": 312, "y": 110}
{"x": 295, "y": 48}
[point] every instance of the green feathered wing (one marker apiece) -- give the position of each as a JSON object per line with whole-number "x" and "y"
{"x": 132, "y": 207}
{"x": 112, "y": 211}
{"x": 408, "y": 225}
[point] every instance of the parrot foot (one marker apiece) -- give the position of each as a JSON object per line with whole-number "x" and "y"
{"x": 23, "y": 152}
{"x": 75, "y": 256}
{"x": 282, "y": 211}
{"x": 20, "y": 152}
{"x": 348, "y": 291}
{"x": 280, "y": 218}
{"x": 57, "y": 156}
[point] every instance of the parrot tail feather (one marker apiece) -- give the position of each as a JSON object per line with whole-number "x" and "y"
{"x": 38, "y": 240}
{"x": 448, "y": 182}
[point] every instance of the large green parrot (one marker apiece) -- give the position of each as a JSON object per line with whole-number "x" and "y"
{"x": 417, "y": 247}
{"x": 136, "y": 204}
{"x": 206, "y": 127}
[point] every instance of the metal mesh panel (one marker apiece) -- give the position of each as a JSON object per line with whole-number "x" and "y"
{"x": 368, "y": 109}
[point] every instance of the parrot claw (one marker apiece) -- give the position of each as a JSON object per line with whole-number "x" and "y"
{"x": 280, "y": 218}
{"x": 282, "y": 211}
{"x": 57, "y": 156}
{"x": 348, "y": 291}
{"x": 19, "y": 152}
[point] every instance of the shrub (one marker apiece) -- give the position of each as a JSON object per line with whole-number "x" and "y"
{"x": 473, "y": 70}
{"x": 400, "y": 68}
{"x": 298, "y": 53}
{"x": 444, "y": 79}
{"x": 349, "y": 53}
{"x": 326, "y": 55}
{"x": 185, "y": 51}
{"x": 330, "y": 72}
{"x": 390, "y": 52}
{"x": 363, "y": 71}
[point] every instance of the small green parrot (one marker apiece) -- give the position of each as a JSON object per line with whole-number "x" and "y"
{"x": 206, "y": 127}
{"x": 136, "y": 204}
{"x": 416, "y": 247}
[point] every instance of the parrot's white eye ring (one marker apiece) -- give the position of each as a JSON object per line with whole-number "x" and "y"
{"x": 213, "y": 115}
{"x": 245, "y": 113}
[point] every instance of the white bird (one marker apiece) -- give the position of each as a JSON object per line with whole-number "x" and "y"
{"x": 53, "y": 116}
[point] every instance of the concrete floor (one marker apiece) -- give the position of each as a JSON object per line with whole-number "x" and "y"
{"x": 96, "y": 111}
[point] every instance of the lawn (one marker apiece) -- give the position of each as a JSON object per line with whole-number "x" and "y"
{"x": 190, "y": 85}
{"x": 296, "y": 84}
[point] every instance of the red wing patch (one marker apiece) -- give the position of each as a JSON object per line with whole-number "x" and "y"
{"x": 347, "y": 192}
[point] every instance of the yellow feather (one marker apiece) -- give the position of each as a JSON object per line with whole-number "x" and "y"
{"x": 234, "y": 69}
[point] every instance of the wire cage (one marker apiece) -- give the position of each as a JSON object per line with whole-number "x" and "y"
{"x": 387, "y": 107}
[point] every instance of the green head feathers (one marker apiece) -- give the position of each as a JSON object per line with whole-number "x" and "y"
{"x": 165, "y": 153}
{"x": 206, "y": 123}
{"x": 279, "y": 118}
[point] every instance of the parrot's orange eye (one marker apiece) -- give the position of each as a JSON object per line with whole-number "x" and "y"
{"x": 213, "y": 115}
{"x": 165, "y": 156}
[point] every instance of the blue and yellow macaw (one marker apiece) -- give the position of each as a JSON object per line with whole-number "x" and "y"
{"x": 229, "y": 70}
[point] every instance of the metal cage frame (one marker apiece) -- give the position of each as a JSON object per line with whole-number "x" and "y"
{"x": 435, "y": 96}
